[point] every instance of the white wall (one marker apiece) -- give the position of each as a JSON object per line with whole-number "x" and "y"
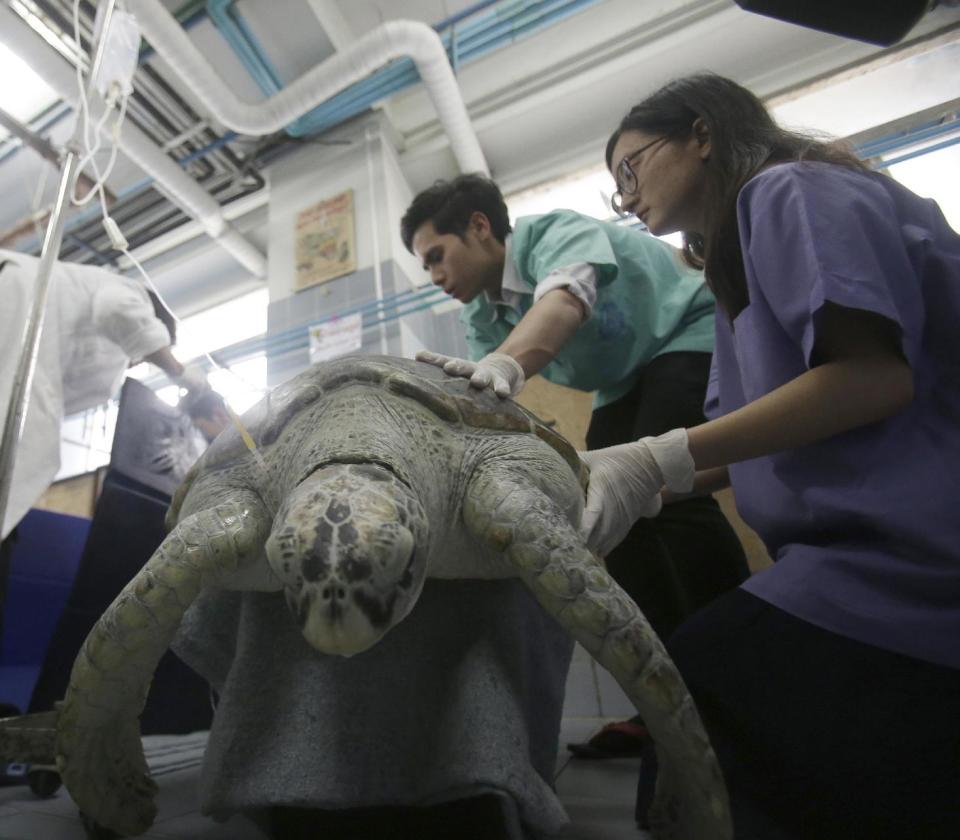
{"x": 318, "y": 172}
{"x": 366, "y": 163}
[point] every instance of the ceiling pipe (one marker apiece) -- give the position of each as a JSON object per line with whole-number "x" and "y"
{"x": 463, "y": 43}
{"x": 170, "y": 179}
{"x": 45, "y": 149}
{"x": 391, "y": 40}
{"x": 29, "y": 138}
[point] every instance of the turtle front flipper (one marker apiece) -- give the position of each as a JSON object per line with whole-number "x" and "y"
{"x": 99, "y": 752}
{"x": 504, "y": 508}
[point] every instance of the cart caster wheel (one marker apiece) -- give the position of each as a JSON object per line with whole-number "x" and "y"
{"x": 43, "y": 782}
{"x": 95, "y": 831}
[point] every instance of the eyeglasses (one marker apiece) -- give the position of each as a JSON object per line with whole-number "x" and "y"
{"x": 626, "y": 178}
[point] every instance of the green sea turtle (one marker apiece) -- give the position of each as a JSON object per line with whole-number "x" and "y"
{"x": 371, "y": 474}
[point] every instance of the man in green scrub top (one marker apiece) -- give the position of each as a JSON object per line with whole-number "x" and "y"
{"x": 599, "y": 307}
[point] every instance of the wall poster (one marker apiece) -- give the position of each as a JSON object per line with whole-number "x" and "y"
{"x": 325, "y": 245}
{"x": 335, "y": 337}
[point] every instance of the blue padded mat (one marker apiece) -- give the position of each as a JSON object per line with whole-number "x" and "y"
{"x": 43, "y": 565}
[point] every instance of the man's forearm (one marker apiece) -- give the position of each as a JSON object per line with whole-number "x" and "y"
{"x": 166, "y": 361}
{"x": 543, "y": 331}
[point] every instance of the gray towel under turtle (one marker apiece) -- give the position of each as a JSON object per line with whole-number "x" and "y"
{"x": 464, "y": 696}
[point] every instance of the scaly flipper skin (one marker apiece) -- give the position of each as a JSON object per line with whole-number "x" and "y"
{"x": 515, "y": 517}
{"x": 381, "y": 472}
{"x": 99, "y": 753}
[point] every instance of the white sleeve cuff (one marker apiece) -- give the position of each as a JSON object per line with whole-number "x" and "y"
{"x": 671, "y": 451}
{"x": 580, "y": 279}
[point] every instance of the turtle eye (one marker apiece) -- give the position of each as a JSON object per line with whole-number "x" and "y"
{"x": 407, "y": 579}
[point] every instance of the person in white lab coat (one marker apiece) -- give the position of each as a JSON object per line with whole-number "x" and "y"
{"x": 96, "y": 324}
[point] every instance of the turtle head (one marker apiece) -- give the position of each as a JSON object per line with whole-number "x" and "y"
{"x": 349, "y": 545}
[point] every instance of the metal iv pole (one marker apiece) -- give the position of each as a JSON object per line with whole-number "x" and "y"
{"x": 30, "y": 341}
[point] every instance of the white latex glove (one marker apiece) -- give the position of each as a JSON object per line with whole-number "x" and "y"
{"x": 193, "y": 378}
{"x": 625, "y": 484}
{"x": 497, "y": 371}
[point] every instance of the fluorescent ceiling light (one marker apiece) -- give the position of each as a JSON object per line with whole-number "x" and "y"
{"x": 880, "y": 94}
{"x": 26, "y": 94}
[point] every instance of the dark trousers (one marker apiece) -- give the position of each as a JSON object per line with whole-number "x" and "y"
{"x": 820, "y": 737}
{"x": 473, "y": 818}
{"x": 679, "y": 561}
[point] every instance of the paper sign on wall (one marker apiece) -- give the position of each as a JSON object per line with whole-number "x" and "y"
{"x": 325, "y": 245}
{"x": 336, "y": 337}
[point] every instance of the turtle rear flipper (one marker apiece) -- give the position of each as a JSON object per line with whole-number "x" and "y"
{"x": 99, "y": 752}
{"x": 550, "y": 557}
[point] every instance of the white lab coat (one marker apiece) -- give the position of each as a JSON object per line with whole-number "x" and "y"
{"x": 96, "y": 322}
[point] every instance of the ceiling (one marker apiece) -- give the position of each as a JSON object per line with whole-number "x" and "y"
{"x": 542, "y": 104}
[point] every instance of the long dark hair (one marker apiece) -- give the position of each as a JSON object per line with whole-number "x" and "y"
{"x": 743, "y": 139}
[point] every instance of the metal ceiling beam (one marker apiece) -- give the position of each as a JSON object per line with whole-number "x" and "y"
{"x": 44, "y": 148}
{"x": 176, "y": 184}
{"x": 392, "y": 40}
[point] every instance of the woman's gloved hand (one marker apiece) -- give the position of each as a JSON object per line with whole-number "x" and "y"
{"x": 497, "y": 371}
{"x": 625, "y": 484}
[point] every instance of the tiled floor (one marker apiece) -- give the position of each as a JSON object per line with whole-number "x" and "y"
{"x": 598, "y": 796}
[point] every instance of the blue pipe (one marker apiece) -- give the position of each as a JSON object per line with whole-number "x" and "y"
{"x": 145, "y": 54}
{"x": 882, "y": 145}
{"x": 919, "y": 153}
{"x": 479, "y": 37}
{"x": 137, "y": 186}
{"x": 528, "y": 19}
{"x": 394, "y": 316}
{"x": 99, "y": 256}
{"x": 187, "y": 23}
{"x": 295, "y": 338}
{"x": 85, "y": 215}
{"x": 449, "y": 22}
{"x": 212, "y": 146}
{"x": 469, "y": 43}
{"x": 226, "y": 18}
{"x": 292, "y": 337}
{"x": 390, "y": 302}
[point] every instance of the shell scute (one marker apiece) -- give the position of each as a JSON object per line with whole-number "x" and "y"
{"x": 451, "y": 399}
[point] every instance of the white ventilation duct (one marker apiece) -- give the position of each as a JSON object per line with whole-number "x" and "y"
{"x": 395, "y": 39}
{"x": 179, "y": 187}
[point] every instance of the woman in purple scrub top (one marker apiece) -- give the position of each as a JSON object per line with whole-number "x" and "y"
{"x": 829, "y": 682}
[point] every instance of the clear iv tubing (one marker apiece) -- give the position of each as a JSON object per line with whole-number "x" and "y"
{"x": 245, "y": 435}
{"x": 113, "y": 230}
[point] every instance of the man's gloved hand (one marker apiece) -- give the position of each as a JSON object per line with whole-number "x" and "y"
{"x": 497, "y": 371}
{"x": 193, "y": 378}
{"x": 625, "y": 484}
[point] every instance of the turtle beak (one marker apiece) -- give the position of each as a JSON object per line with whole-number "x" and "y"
{"x": 345, "y": 549}
{"x": 331, "y": 624}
